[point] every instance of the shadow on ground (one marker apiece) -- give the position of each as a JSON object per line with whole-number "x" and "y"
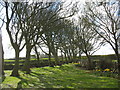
{"x": 64, "y": 77}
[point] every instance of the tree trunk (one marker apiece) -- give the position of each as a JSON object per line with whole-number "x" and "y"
{"x": 118, "y": 59}
{"x": 49, "y": 56}
{"x": 74, "y": 56}
{"x": 89, "y": 61}
{"x": 1, "y": 60}
{"x": 15, "y": 72}
{"x": 62, "y": 57}
{"x": 79, "y": 57}
{"x": 54, "y": 52}
{"x": 69, "y": 57}
{"x": 50, "y": 62}
{"x": 26, "y": 66}
{"x": 38, "y": 58}
{"x": 65, "y": 56}
{"x": 56, "y": 59}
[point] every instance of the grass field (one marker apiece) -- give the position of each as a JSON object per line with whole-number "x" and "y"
{"x": 65, "y": 76}
{"x": 32, "y": 59}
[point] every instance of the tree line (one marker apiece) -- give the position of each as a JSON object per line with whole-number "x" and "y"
{"x": 53, "y": 26}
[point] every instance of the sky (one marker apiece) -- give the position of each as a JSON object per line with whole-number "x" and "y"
{"x": 9, "y": 52}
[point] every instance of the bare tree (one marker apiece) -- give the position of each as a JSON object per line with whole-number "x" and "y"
{"x": 31, "y": 28}
{"x": 106, "y": 19}
{"x": 54, "y": 22}
{"x": 13, "y": 27}
{"x": 87, "y": 39}
{"x": 25, "y": 23}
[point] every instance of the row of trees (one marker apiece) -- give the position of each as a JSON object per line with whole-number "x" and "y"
{"x": 36, "y": 25}
{"x": 30, "y": 24}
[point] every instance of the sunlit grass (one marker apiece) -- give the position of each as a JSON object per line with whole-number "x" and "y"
{"x": 65, "y": 76}
{"x": 9, "y": 60}
{"x": 10, "y": 82}
{"x": 114, "y": 60}
{"x": 32, "y": 59}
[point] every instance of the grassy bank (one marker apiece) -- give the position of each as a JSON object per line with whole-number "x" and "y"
{"x": 65, "y": 76}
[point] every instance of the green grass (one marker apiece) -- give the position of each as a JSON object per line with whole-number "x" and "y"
{"x": 6, "y": 60}
{"x": 32, "y": 59}
{"x": 12, "y": 60}
{"x": 114, "y": 61}
{"x": 52, "y": 59}
{"x": 65, "y": 76}
{"x": 19, "y": 60}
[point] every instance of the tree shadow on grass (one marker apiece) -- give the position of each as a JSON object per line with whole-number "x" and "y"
{"x": 62, "y": 77}
{"x": 43, "y": 81}
{"x": 40, "y": 81}
{"x": 23, "y": 81}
